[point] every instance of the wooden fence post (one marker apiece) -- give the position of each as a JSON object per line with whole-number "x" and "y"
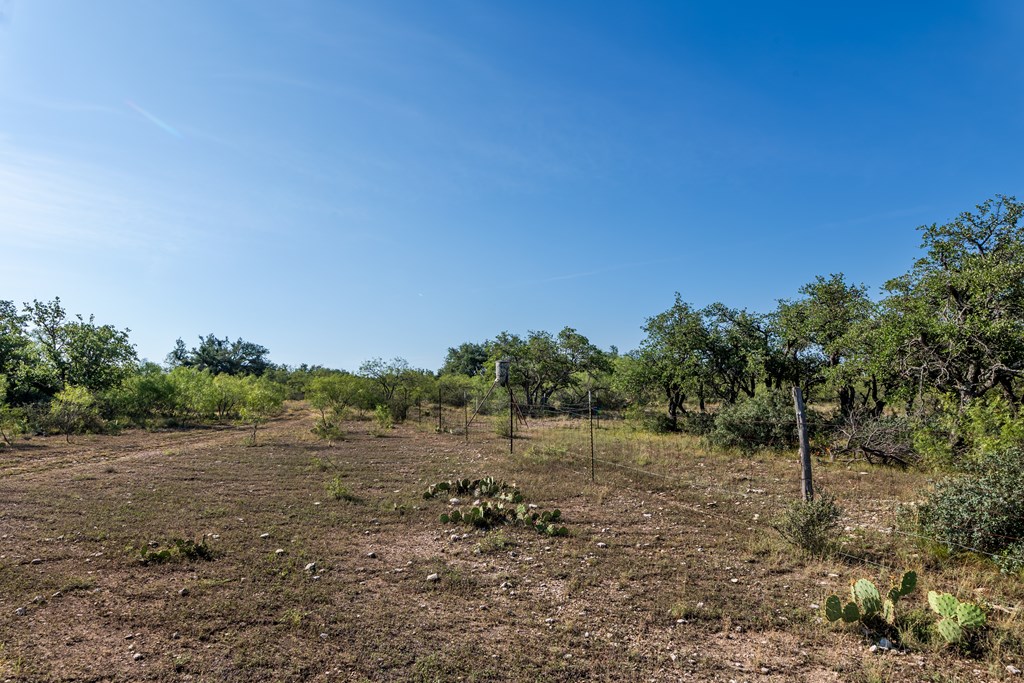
{"x": 805, "y": 448}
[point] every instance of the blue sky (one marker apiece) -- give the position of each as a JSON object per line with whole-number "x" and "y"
{"x": 339, "y": 181}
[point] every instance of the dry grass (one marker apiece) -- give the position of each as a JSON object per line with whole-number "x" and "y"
{"x": 689, "y": 582}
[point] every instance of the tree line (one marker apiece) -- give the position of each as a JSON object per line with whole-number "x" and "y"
{"x": 933, "y": 367}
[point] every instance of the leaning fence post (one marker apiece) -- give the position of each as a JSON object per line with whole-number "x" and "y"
{"x": 590, "y": 409}
{"x": 805, "y": 449}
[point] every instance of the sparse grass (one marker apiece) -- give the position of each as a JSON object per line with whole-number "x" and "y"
{"x": 336, "y": 487}
{"x": 676, "y": 530}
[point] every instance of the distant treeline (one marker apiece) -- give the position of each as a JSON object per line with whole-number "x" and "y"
{"x": 933, "y": 368}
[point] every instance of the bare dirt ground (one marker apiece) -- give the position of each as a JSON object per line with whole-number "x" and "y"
{"x": 663, "y": 578}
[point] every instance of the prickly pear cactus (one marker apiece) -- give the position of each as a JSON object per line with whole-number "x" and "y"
{"x": 851, "y": 613}
{"x": 944, "y": 604}
{"x": 907, "y": 584}
{"x": 950, "y": 630}
{"x": 833, "y": 608}
{"x": 889, "y": 611}
{"x": 969, "y": 615}
{"x": 867, "y": 597}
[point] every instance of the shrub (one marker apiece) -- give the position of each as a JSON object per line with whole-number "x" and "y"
{"x": 656, "y": 423}
{"x": 336, "y": 487}
{"x": 982, "y": 509}
{"x": 811, "y": 525}
{"x": 698, "y": 424}
{"x": 765, "y": 421}
{"x": 384, "y": 422}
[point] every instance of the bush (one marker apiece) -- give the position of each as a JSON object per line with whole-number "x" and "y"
{"x": 982, "y": 509}
{"x": 811, "y": 525}
{"x": 698, "y": 424}
{"x": 644, "y": 420}
{"x": 384, "y": 422}
{"x": 765, "y": 421}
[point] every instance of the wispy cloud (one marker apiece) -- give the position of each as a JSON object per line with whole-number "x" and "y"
{"x": 47, "y": 203}
{"x": 166, "y": 127}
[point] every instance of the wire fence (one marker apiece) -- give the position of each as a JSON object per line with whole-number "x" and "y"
{"x": 586, "y": 451}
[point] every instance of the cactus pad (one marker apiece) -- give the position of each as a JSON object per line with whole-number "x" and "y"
{"x": 851, "y": 613}
{"x": 867, "y": 597}
{"x": 833, "y": 608}
{"x": 970, "y": 615}
{"x": 889, "y": 611}
{"x": 907, "y": 584}
{"x": 943, "y": 603}
{"x": 950, "y": 630}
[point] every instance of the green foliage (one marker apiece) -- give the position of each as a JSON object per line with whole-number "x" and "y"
{"x": 261, "y": 400}
{"x": 953, "y": 323}
{"x": 336, "y": 487}
{"x": 488, "y": 487}
{"x": 982, "y": 509}
{"x": 543, "y": 364}
{"x": 957, "y": 619}
{"x": 866, "y": 603}
{"x": 329, "y": 431}
{"x": 766, "y": 421}
{"x": 12, "y": 420}
{"x": 178, "y": 550}
{"x": 221, "y": 356}
{"x": 384, "y": 423}
{"x": 811, "y": 525}
{"x": 77, "y": 352}
{"x": 493, "y": 513}
{"x": 73, "y": 410}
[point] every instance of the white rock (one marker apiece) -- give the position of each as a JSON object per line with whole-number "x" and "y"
{"x": 434, "y": 577}
{"x": 279, "y": 551}
{"x": 454, "y": 501}
{"x": 1012, "y": 670}
{"x": 137, "y": 656}
{"x": 264, "y": 535}
{"x": 602, "y": 545}
{"x": 310, "y": 567}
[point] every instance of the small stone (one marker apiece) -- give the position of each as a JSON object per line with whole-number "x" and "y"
{"x": 175, "y": 635}
{"x": 434, "y": 577}
{"x": 549, "y": 620}
{"x": 264, "y": 535}
{"x": 372, "y": 555}
{"x": 39, "y": 599}
{"x": 815, "y": 605}
{"x": 873, "y": 648}
{"x": 57, "y": 595}
{"x": 279, "y": 551}
{"x": 37, "y": 561}
{"x": 129, "y": 636}
{"x": 1012, "y": 670}
{"x": 183, "y": 592}
{"x": 310, "y": 567}
{"x": 137, "y": 656}
{"x": 765, "y": 670}
{"x": 20, "y": 611}
{"x": 454, "y": 501}
{"x": 734, "y": 580}
{"x": 602, "y": 545}
{"x": 323, "y": 636}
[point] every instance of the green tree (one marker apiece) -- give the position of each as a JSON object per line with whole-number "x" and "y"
{"x": 73, "y": 410}
{"x": 955, "y": 322}
{"x": 77, "y": 351}
{"x": 825, "y": 331}
{"x": 11, "y": 419}
{"x": 263, "y": 399}
{"x": 221, "y": 356}
{"x": 672, "y": 357}
{"x": 466, "y": 359}
{"x": 544, "y": 364}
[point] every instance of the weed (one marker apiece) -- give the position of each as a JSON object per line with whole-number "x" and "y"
{"x": 178, "y": 550}
{"x": 811, "y": 525}
{"x": 383, "y": 421}
{"x": 339, "y": 491}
